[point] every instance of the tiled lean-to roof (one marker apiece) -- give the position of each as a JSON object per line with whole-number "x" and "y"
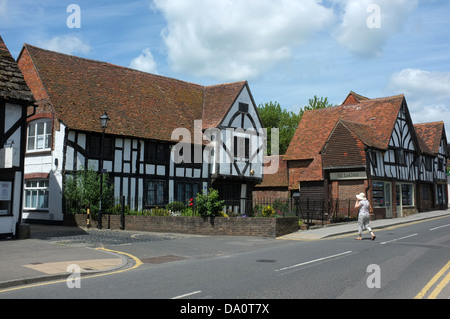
{"x": 139, "y": 104}
{"x": 12, "y": 84}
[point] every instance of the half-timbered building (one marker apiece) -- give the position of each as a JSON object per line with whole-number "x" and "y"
{"x": 15, "y": 97}
{"x": 432, "y": 188}
{"x": 166, "y": 139}
{"x": 371, "y": 146}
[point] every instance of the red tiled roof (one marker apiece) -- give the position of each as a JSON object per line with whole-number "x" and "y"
{"x": 372, "y": 120}
{"x": 217, "y": 101}
{"x": 12, "y": 84}
{"x": 280, "y": 178}
{"x": 353, "y": 98}
{"x": 429, "y": 136}
{"x": 139, "y": 104}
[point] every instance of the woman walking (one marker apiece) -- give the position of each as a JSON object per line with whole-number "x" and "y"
{"x": 364, "y": 215}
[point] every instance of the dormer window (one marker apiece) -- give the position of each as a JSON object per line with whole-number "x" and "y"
{"x": 39, "y": 136}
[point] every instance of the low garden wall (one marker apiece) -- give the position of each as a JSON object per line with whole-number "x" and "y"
{"x": 219, "y": 226}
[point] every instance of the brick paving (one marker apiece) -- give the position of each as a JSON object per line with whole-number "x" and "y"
{"x": 93, "y": 237}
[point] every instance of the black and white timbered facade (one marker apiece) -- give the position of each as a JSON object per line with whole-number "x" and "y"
{"x": 371, "y": 146}
{"x": 166, "y": 141}
{"x": 15, "y": 98}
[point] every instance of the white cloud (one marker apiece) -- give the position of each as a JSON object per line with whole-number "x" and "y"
{"x": 367, "y": 39}
{"x": 422, "y": 85}
{"x": 235, "y": 39}
{"x": 67, "y": 44}
{"x": 145, "y": 62}
{"x": 427, "y": 94}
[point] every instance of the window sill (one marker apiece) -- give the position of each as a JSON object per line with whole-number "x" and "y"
{"x": 32, "y": 210}
{"x": 43, "y": 152}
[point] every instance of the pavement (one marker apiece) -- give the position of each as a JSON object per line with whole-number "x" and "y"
{"x": 333, "y": 230}
{"x": 52, "y": 250}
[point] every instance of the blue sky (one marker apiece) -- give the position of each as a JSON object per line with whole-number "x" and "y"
{"x": 288, "y": 50}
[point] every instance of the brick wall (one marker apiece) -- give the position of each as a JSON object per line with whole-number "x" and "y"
{"x": 349, "y": 189}
{"x": 270, "y": 194}
{"x": 31, "y": 77}
{"x": 258, "y": 227}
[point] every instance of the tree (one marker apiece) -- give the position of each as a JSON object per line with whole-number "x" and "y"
{"x": 314, "y": 104}
{"x": 83, "y": 189}
{"x": 273, "y": 116}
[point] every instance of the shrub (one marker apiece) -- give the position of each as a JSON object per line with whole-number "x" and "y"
{"x": 159, "y": 212}
{"x": 209, "y": 205}
{"x": 175, "y": 207}
{"x": 83, "y": 190}
{"x": 268, "y": 211}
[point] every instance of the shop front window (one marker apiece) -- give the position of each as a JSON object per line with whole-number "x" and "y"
{"x": 378, "y": 194}
{"x": 405, "y": 195}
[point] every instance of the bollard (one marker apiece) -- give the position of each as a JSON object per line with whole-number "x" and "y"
{"x": 88, "y": 218}
{"x": 122, "y": 213}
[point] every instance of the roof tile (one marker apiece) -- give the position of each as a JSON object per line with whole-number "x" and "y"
{"x": 12, "y": 83}
{"x": 139, "y": 104}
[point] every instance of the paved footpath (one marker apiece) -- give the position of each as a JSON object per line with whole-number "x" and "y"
{"x": 52, "y": 249}
{"x": 352, "y": 227}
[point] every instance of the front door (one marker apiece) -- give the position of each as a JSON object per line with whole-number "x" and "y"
{"x": 388, "y": 199}
{"x": 399, "y": 200}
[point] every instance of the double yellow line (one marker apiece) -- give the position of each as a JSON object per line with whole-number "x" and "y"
{"x": 438, "y": 288}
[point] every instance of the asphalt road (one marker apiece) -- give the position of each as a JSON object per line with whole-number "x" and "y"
{"x": 400, "y": 264}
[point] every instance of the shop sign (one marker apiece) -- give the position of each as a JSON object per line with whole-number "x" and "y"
{"x": 342, "y": 176}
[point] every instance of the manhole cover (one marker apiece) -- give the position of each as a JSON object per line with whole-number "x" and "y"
{"x": 162, "y": 259}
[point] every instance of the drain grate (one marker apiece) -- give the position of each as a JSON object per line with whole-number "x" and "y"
{"x": 162, "y": 259}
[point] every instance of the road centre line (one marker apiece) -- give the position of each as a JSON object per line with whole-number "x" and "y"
{"x": 187, "y": 295}
{"x": 440, "y": 227}
{"x": 393, "y": 240}
{"x": 313, "y": 261}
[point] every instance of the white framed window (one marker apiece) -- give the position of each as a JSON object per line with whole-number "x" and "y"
{"x": 39, "y": 135}
{"x": 36, "y": 194}
{"x": 405, "y": 194}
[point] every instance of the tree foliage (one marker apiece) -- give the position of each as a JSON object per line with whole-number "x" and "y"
{"x": 209, "y": 205}
{"x": 274, "y": 116}
{"x": 83, "y": 190}
{"x": 314, "y": 104}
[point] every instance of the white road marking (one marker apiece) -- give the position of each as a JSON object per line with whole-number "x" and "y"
{"x": 313, "y": 261}
{"x": 440, "y": 227}
{"x": 391, "y": 241}
{"x": 187, "y": 295}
